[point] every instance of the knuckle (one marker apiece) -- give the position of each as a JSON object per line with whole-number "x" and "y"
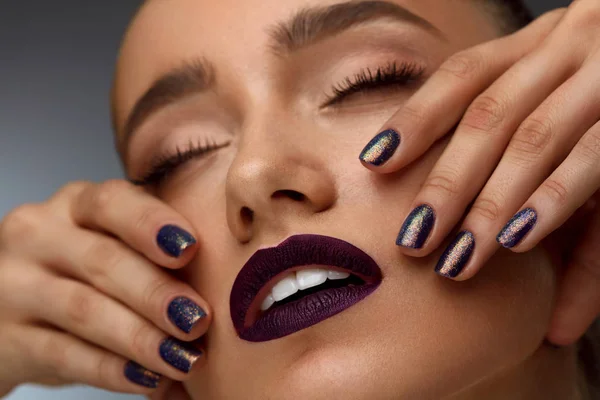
{"x": 413, "y": 115}
{"x": 145, "y": 218}
{"x": 464, "y": 65}
{"x": 105, "y": 194}
{"x": 53, "y": 355}
{"x": 444, "y": 183}
{"x": 556, "y": 191}
{"x": 101, "y": 258}
{"x": 585, "y": 14}
{"x": 589, "y": 147}
{"x": 105, "y": 369}
{"x": 80, "y": 306}
{"x": 74, "y": 188}
{"x": 23, "y": 221}
{"x": 485, "y": 114}
{"x": 532, "y": 137}
{"x": 141, "y": 339}
{"x": 488, "y": 207}
{"x": 155, "y": 291}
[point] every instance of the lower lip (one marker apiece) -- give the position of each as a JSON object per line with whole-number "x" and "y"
{"x": 310, "y": 310}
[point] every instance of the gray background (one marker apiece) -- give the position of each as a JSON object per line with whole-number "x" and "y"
{"x": 56, "y": 63}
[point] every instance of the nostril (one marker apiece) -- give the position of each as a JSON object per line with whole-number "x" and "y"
{"x": 247, "y": 215}
{"x": 292, "y": 194}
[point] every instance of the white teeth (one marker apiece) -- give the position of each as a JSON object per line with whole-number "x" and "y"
{"x": 267, "y": 303}
{"x": 285, "y": 288}
{"x": 333, "y": 275}
{"x": 300, "y": 280}
{"x": 310, "y": 277}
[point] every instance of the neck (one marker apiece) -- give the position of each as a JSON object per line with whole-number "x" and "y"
{"x": 548, "y": 373}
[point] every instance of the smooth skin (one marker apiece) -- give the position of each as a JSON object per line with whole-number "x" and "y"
{"x": 528, "y": 110}
{"x": 81, "y": 290}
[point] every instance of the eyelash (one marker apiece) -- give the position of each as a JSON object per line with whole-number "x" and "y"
{"x": 389, "y": 76}
{"x": 163, "y": 165}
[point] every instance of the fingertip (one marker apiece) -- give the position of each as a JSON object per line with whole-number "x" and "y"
{"x": 379, "y": 151}
{"x": 174, "y": 240}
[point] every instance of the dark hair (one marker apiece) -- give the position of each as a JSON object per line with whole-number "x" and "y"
{"x": 511, "y": 15}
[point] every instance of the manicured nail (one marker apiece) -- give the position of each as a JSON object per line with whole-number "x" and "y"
{"x": 174, "y": 240}
{"x": 141, "y": 376}
{"x": 381, "y": 148}
{"x": 517, "y": 228}
{"x": 416, "y": 227}
{"x": 184, "y": 313}
{"x": 179, "y": 354}
{"x": 456, "y": 255}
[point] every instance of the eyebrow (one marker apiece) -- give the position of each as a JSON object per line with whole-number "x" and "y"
{"x": 308, "y": 26}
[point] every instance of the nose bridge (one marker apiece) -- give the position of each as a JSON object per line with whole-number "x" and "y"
{"x": 277, "y": 174}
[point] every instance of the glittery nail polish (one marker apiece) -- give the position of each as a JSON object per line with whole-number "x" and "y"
{"x": 381, "y": 148}
{"x": 141, "y": 376}
{"x": 174, "y": 240}
{"x": 180, "y": 355}
{"x": 456, "y": 255}
{"x": 416, "y": 227}
{"x": 517, "y": 228}
{"x": 184, "y": 313}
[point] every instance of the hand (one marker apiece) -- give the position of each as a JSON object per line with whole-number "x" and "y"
{"x": 81, "y": 291}
{"x": 528, "y": 145}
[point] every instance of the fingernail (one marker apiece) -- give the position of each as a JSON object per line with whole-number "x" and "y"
{"x": 141, "y": 376}
{"x": 456, "y": 255}
{"x": 381, "y": 148}
{"x": 517, "y": 228}
{"x": 416, "y": 227}
{"x": 179, "y": 354}
{"x": 174, "y": 240}
{"x": 184, "y": 313}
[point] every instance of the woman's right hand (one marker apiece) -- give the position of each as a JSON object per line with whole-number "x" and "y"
{"x": 84, "y": 297}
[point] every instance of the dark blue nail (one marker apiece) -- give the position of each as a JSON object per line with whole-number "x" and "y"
{"x": 416, "y": 227}
{"x": 141, "y": 376}
{"x": 174, "y": 240}
{"x": 179, "y": 354}
{"x": 517, "y": 228}
{"x": 184, "y": 313}
{"x": 381, "y": 148}
{"x": 456, "y": 255}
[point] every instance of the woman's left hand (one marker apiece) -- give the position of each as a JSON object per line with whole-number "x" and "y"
{"x": 526, "y": 153}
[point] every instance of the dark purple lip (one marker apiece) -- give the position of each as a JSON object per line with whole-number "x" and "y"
{"x": 299, "y": 250}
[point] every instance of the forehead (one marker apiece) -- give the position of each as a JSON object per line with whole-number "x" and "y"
{"x": 235, "y": 34}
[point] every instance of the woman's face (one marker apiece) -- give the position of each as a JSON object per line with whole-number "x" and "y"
{"x": 282, "y": 107}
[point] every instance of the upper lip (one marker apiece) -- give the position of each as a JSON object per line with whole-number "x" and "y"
{"x": 295, "y": 251}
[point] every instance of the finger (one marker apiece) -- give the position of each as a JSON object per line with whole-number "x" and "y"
{"x": 475, "y": 150}
{"x": 123, "y": 274}
{"x": 174, "y": 391}
{"x": 542, "y": 141}
{"x": 557, "y": 199}
{"x": 88, "y": 314}
{"x": 438, "y": 106}
{"x": 60, "y": 356}
{"x": 142, "y": 221}
{"x": 578, "y": 303}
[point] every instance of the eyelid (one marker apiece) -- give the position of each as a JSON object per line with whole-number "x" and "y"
{"x": 385, "y": 76}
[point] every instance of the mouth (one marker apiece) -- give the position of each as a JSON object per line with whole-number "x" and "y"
{"x": 299, "y": 283}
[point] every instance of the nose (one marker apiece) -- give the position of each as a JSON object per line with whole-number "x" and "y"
{"x": 276, "y": 179}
